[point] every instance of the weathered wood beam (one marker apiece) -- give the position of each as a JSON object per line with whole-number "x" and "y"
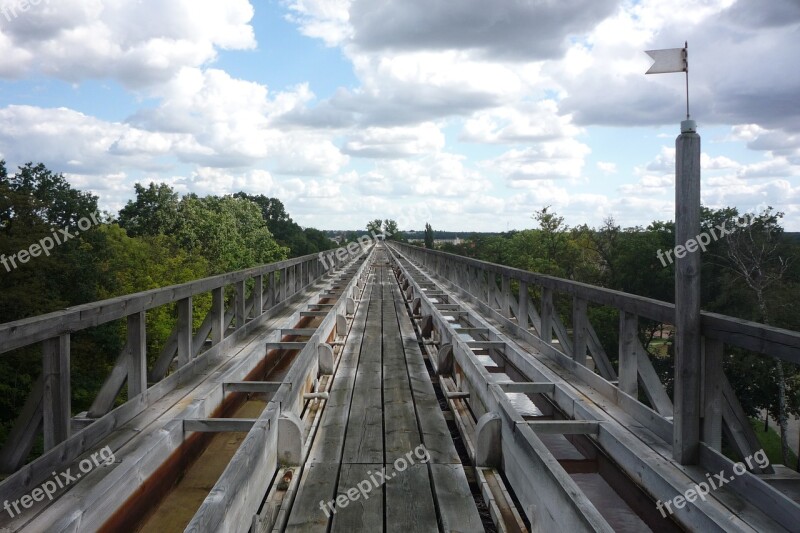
{"x": 252, "y": 386}
{"x": 137, "y": 354}
{"x": 522, "y": 305}
{"x": 298, "y": 332}
{"x": 651, "y": 385}
{"x": 579, "y": 321}
{"x": 218, "y": 425}
{"x": 239, "y": 304}
{"x": 712, "y": 393}
{"x": 527, "y": 387}
{"x": 217, "y": 313}
{"x": 546, "y": 332}
{"x": 628, "y": 361}
{"x": 184, "y": 329}
{"x": 565, "y": 427}
{"x": 56, "y": 395}
{"x": 286, "y": 345}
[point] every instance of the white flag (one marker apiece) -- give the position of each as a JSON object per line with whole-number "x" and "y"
{"x": 668, "y": 60}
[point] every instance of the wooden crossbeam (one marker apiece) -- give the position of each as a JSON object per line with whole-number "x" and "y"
{"x": 286, "y": 345}
{"x": 305, "y": 332}
{"x": 527, "y": 387}
{"x": 565, "y": 427}
{"x": 252, "y": 386}
{"x": 305, "y": 314}
{"x": 218, "y": 425}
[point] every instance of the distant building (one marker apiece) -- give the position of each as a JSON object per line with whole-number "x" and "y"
{"x": 455, "y": 241}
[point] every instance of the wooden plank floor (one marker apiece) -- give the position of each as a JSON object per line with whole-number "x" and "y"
{"x": 383, "y": 420}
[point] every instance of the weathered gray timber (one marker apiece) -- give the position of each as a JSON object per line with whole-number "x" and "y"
{"x": 637, "y": 438}
{"x": 688, "y": 359}
{"x": 53, "y": 330}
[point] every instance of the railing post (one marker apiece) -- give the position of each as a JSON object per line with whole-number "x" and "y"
{"x": 184, "y": 328}
{"x": 505, "y": 297}
{"x": 241, "y": 319}
{"x": 137, "y": 354}
{"x": 522, "y": 305}
{"x": 686, "y": 424}
{"x": 258, "y": 296}
{"x": 547, "y": 316}
{"x": 628, "y": 362}
{"x": 271, "y": 292}
{"x": 217, "y": 315}
{"x": 712, "y": 392}
{"x": 56, "y": 394}
{"x": 579, "y": 321}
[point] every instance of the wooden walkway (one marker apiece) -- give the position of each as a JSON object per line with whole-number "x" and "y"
{"x": 383, "y": 418}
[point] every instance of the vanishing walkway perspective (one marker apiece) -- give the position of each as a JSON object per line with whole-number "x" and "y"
{"x": 400, "y": 389}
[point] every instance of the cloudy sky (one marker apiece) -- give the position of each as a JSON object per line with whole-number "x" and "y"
{"x": 468, "y": 114}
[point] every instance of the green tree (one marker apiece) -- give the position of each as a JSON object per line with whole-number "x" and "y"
{"x": 393, "y": 233}
{"x": 753, "y": 251}
{"x": 428, "y": 236}
{"x": 287, "y": 232}
{"x": 154, "y": 212}
{"x": 228, "y": 232}
{"x": 375, "y": 226}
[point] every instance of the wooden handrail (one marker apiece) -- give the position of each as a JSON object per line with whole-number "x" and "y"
{"x": 760, "y": 338}
{"x": 32, "y": 330}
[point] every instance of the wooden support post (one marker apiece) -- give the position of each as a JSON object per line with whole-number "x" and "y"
{"x": 284, "y": 284}
{"x": 628, "y": 359}
{"x": 712, "y": 393}
{"x": 258, "y": 296}
{"x": 217, "y": 315}
{"x": 240, "y": 315}
{"x": 137, "y": 354}
{"x": 686, "y": 425}
{"x": 522, "y": 306}
{"x": 184, "y": 328}
{"x": 579, "y": 322}
{"x": 56, "y": 394}
{"x": 271, "y": 293}
{"x": 506, "y": 298}
{"x": 547, "y": 316}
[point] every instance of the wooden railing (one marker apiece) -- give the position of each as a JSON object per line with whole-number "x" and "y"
{"x": 256, "y": 291}
{"x": 490, "y": 286}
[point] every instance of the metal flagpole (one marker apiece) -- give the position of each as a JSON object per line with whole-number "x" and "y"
{"x": 686, "y": 63}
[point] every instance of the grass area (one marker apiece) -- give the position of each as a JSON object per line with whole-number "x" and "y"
{"x": 771, "y": 442}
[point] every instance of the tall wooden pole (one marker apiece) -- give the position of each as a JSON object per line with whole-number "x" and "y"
{"x": 688, "y": 362}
